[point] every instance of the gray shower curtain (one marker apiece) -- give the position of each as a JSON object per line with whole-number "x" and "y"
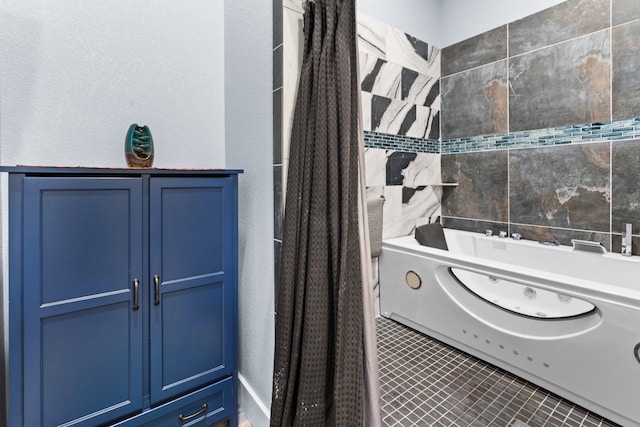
{"x": 325, "y": 367}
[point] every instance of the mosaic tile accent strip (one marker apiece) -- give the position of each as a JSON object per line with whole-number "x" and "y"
{"x": 424, "y": 382}
{"x": 591, "y": 132}
{"x": 402, "y": 143}
{"x": 618, "y": 130}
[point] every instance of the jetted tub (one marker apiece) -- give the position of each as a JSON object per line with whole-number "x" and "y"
{"x": 566, "y": 320}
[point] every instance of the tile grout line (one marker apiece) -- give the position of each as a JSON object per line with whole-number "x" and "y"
{"x": 495, "y": 385}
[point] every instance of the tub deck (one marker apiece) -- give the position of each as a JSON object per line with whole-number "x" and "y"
{"x": 590, "y": 359}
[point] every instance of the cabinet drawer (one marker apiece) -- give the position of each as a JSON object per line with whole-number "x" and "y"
{"x": 204, "y": 407}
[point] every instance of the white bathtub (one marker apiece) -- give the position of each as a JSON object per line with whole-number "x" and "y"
{"x": 566, "y": 320}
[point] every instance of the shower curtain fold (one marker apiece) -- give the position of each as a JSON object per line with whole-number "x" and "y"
{"x": 325, "y": 366}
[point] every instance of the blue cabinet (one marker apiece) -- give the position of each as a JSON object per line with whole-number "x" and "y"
{"x": 122, "y": 297}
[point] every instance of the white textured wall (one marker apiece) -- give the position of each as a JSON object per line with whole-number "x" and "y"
{"x": 462, "y": 19}
{"x": 249, "y": 121}
{"x": 420, "y": 18}
{"x": 445, "y": 22}
{"x": 75, "y": 74}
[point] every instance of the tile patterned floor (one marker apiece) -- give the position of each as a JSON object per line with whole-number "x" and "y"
{"x": 427, "y": 383}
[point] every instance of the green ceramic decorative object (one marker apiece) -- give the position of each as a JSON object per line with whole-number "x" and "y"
{"x": 138, "y": 147}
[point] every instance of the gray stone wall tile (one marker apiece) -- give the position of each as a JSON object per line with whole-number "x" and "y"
{"x": 482, "y": 179}
{"x": 277, "y": 127}
{"x": 625, "y": 11}
{"x": 482, "y": 49}
{"x": 277, "y": 23}
{"x": 278, "y": 202}
{"x": 277, "y": 67}
{"x": 626, "y": 78}
{"x": 625, "y": 197}
{"x": 567, "y": 20}
{"x": 565, "y": 186}
{"x": 564, "y": 84}
{"x": 475, "y": 102}
{"x": 559, "y": 235}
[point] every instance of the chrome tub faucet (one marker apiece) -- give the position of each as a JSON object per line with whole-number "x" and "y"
{"x": 626, "y": 239}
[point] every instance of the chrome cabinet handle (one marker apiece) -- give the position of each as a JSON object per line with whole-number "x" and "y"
{"x": 195, "y": 415}
{"x": 136, "y": 294}
{"x": 156, "y": 282}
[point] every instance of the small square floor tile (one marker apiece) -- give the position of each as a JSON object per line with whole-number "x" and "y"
{"x": 427, "y": 383}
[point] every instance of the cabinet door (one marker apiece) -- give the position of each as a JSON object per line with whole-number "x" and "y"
{"x": 82, "y": 332}
{"x": 192, "y": 267}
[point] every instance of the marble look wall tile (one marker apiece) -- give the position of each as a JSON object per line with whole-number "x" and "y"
{"x": 397, "y": 162}
{"x": 482, "y": 179}
{"x": 393, "y": 223}
{"x": 379, "y": 107}
{"x": 423, "y": 170}
{"x": 625, "y": 187}
{"x": 415, "y": 123}
{"x": 434, "y": 130}
{"x": 421, "y": 203}
{"x": 372, "y": 37}
{"x": 375, "y": 163}
{"x": 475, "y": 102}
{"x": 626, "y": 63}
{"x": 402, "y": 73}
{"x": 421, "y": 127}
{"x": 420, "y": 89}
{"x": 388, "y": 115}
{"x": 562, "y": 22}
{"x": 375, "y": 191}
{"x": 412, "y": 53}
{"x": 400, "y": 118}
{"x": 365, "y": 98}
{"x": 404, "y": 207}
{"x": 473, "y": 225}
{"x": 380, "y": 77}
{"x": 482, "y": 49}
{"x": 625, "y": 11}
{"x": 559, "y": 235}
{"x": 564, "y": 84}
{"x": 563, "y": 186}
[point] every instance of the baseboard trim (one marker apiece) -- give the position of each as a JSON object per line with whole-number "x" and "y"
{"x": 256, "y": 411}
